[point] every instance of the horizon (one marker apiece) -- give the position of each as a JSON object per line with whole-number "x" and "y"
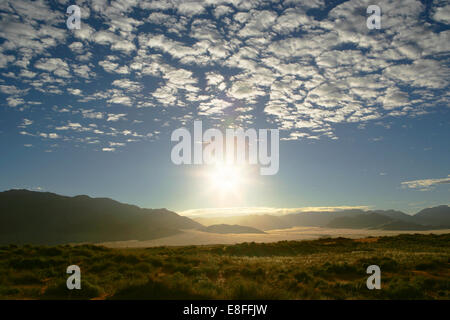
{"x": 239, "y": 211}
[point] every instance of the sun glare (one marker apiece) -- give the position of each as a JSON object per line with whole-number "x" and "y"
{"x": 226, "y": 184}
{"x": 226, "y": 179}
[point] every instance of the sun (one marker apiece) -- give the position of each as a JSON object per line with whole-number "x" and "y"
{"x": 226, "y": 179}
{"x": 226, "y": 184}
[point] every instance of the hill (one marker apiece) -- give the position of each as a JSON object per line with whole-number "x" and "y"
{"x": 226, "y": 228}
{"x": 427, "y": 219}
{"x": 261, "y": 222}
{"x": 48, "y": 218}
{"x": 396, "y": 215}
{"x": 403, "y": 225}
{"x": 363, "y": 221}
{"x": 374, "y": 220}
{"x": 318, "y": 219}
{"x": 436, "y": 216}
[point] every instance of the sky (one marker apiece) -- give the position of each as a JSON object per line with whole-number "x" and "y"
{"x": 363, "y": 113}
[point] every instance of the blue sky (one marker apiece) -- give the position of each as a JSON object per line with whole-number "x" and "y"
{"x": 363, "y": 114}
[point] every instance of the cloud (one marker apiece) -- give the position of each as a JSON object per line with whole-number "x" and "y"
{"x": 292, "y": 19}
{"x": 76, "y": 47}
{"x": 222, "y": 10}
{"x": 14, "y": 102}
{"x": 128, "y": 85}
{"x": 425, "y": 184}
{"x": 214, "y": 78}
{"x": 49, "y": 135}
{"x": 116, "y": 144}
{"x": 304, "y": 72}
{"x": 190, "y": 8}
{"x": 116, "y": 42}
{"x": 91, "y": 114}
{"x": 246, "y": 90}
{"x": 75, "y": 92}
{"x": 119, "y": 98}
{"x": 12, "y": 90}
{"x": 258, "y": 23}
{"x": 215, "y": 106}
{"x": 113, "y": 67}
{"x": 5, "y": 60}
{"x": 394, "y": 98}
{"x": 83, "y": 71}
{"x": 442, "y": 14}
{"x": 27, "y": 122}
{"x": 56, "y": 65}
{"x": 115, "y": 117}
{"x": 175, "y": 48}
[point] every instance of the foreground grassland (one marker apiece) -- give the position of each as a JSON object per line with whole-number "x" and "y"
{"x": 412, "y": 267}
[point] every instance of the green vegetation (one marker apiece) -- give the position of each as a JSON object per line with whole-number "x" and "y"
{"x": 412, "y": 267}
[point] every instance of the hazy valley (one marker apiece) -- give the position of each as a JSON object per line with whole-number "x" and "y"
{"x": 28, "y": 217}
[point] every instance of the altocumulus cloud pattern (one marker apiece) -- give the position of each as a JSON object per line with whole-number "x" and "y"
{"x": 137, "y": 69}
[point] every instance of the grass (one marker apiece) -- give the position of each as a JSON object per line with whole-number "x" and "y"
{"x": 412, "y": 267}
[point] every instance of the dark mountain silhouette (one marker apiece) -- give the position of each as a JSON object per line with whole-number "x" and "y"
{"x": 396, "y": 215}
{"x": 270, "y": 222}
{"x": 47, "y": 218}
{"x": 261, "y": 222}
{"x": 361, "y": 221}
{"x": 403, "y": 225}
{"x": 374, "y": 220}
{"x": 317, "y": 219}
{"x": 436, "y": 216}
{"x": 427, "y": 219}
{"x": 227, "y": 228}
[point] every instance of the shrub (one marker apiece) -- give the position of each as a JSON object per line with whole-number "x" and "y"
{"x": 401, "y": 289}
{"x": 60, "y": 291}
{"x": 157, "y": 290}
{"x": 25, "y": 278}
{"x": 302, "y": 277}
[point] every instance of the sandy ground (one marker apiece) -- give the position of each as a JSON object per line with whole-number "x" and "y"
{"x": 195, "y": 237}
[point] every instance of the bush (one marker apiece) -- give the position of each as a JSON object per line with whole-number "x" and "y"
{"x": 427, "y": 266}
{"x": 157, "y": 290}
{"x": 244, "y": 290}
{"x": 302, "y": 277}
{"x": 385, "y": 263}
{"x": 143, "y": 267}
{"x": 401, "y": 289}
{"x": 50, "y": 251}
{"x": 8, "y": 291}
{"x": 25, "y": 278}
{"x": 60, "y": 291}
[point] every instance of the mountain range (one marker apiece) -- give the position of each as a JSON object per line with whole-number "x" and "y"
{"x": 47, "y": 218}
{"x": 427, "y": 219}
{"x": 227, "y": 228}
